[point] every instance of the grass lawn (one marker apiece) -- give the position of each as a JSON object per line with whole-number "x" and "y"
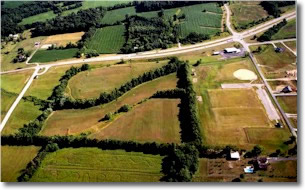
{"x": 42, "y": 56}
{"x": 9, "y": 52}
{"x": 292, "y": 45}
{"x": 23, "y": 114}
{"x": 288, "y": 103}
{"x": 64, "y": 39}
{"x": 154, "y": 121}
{"x": 87, "y": 120}
{"x": 91, "y": 83}
{"x": 288, "y": 31}
{"x": 7, "y": 99}
{"x": 109, "y": 39}
{"x": 274, "y": 65}
{"x": 96, "y": 165}
{"x": 14, "y": 82}
{"x": 244, "y": 13}
{"x": 14, "y": 159}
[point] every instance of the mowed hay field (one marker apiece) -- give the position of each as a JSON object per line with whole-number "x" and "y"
{"x": 64, "y": 39}
{"x": 245, "y": 12}
{"x": 91, "y": 84}
{"x": 274, "y": 65}
{"x": 288, "y": 103}
{"x": 155, "y": 121}
{"x": 109, "y": 39}
{"x": 87, "y": 120}
{"x": 23, "y": 114}
{"x": 14, "y": 82}
{"x": 14, "y": 159}
{"x": 96, "y": 165}
{"x": 287, "y": 31}
{"x": 42, "y": 56}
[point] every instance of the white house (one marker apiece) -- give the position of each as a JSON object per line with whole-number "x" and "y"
{"x": 235, "y": 155}
{"x": 231, "y": 50}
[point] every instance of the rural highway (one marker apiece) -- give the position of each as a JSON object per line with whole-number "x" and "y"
{"x": 236, "y": 37}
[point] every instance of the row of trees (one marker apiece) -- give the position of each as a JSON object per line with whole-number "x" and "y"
{"x": 173, "y": 93}
{"x": 252, "y": 23}
{"x": 273, "y": 7}
{"x": 271, "y": 31}
{"x": 194, "y": 37}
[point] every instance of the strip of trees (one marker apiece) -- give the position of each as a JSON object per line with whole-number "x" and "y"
{"x": 271, "y": 31}
{"x": 273, "y": 7}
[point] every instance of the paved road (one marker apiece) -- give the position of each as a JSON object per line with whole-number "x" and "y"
{"x": 286, "y": 94}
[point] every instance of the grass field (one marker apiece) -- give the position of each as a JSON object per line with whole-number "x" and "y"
{"x": 13, "y": 4}
{"x": 288, "y": 31}
{"x": 274, "y": 65}
{"x": 64, "y": 39}
{"x": 38, "y": 18}
{"x": 155, "y": 121}
{"x": 96, "y": 165}
{"x": 77, "y": 121}
{"x": 23, "y": 114}
{"x": 14, "y": 159}
{"x": 14, "y": 82}
{"x": 245, "y": 12}
{"x": 117, "y": 15}
{"x": 42, "y": 56}
{"x": 91, "y": 83}
{"x": 109, "y": 39}
{"x": 288, "y": 103}
{"x": 292, "y": 45}
{"x": 9, "y": 52}
{"x": 7, "y": 99}
{"x": 279, "y": 85}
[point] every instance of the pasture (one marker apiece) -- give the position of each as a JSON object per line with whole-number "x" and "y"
{"x": 117, "y": 15}
{"x": 288, "y": 103}
{"x": 244, "y": 13}
{"x": 91, "y": 83}
{"x": 7, "y": 99}
{"x": 42, "y": 56}
{"x": 13, "y": 4}
{"x": 96, "y": 165}
{"x": 274, "y": 65}
{"x": 109, "y": 39}
{"x": 292, "y": 45}
{"x": 23, "y": 114}
{"x": 153, "y": 121}
{"x": 287, "y": 31}
{"x": 64, "y": 39}
{"x": 74, "y": 122}
{"x": 14, "y": 159}
{"x": 14, "y": 82}
{"x": 38, "y": 18}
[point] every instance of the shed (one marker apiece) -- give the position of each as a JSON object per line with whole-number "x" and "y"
{"x": 249, "y": 169}
{"x": 287, "y": 89}
{"x": 235, "y": 155}
{"x": 231, "y": 50}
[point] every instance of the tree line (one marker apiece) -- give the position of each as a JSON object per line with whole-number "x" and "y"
{"x": 271, "y": 31}
{"x": 273, "y": 7}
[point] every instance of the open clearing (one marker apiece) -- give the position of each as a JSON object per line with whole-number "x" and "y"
{"x": 77, "y": 121}
{"x": 155, "y": 121}
{"x": 274, "y": 65}
{"x": 64, "y": 39}
{"x": 288, "y": 31}
{"x": 288, "y": 103}
{"x": 91, "y": 83}
{"x": 96, "y": 165}
{"x": 244, "y": 13}
{"x": 42, "y": 56}
{"x": 42, "y": 17}
{"x": 109, "y": 39}
{"x": 23, "y": 114}
{"x": 14, "y": 159}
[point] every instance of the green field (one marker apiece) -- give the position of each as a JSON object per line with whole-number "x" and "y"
{"x": 14, "y": 159}
{"x": 96, "y": 165}
{"x": 71, "y": 122}
{"x": 91, "y": 83}
{"x": 14, "y": 82}
{"x": 38, "y": 18}
{"x": 42, "y": 56}
{"x": 23, "y": 114}
{"x": 154, "y": 121}
{"x": 288, "y": 103}
{"x": 109, "y": 39}
{"x": 7, "y": 99}
{"x": 288, "y": 31}
{"x": 14, "y": 4}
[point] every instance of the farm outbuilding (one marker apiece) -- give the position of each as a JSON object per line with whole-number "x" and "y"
{"x": 235, "y": 155}
{"x": 287, "y": 89}
{"x": 232, "y": 50}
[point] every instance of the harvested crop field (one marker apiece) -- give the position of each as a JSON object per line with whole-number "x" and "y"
{"x": 14, "y": 159}
{"x": 91, "y": 84}
{"x": 109, "y": 39}
{"x": 96, "y": 165}
{"x": 154, "y": 121}
{"x": 87, "y": 120}
{"x": 64, "y": 39}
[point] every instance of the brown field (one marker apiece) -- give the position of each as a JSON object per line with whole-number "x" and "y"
{"x": 91, "y": 83}
{"x": 292, "y": 45}
{"x": 77, "y": 121}
{"x": 155, "y": 120}
{"x": 279, "y": 85}
{"x": 14, "y": 159}
{"x": 288, "y": 103}
{"x": 64, "y": 39}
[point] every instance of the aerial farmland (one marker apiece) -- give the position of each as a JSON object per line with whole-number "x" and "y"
{"x": 149, "y": 91}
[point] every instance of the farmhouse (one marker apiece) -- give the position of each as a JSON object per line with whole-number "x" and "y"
{"x": 262, "y": 162}
{"x": 287, "y": 89}
{"x": 231, "y": 50}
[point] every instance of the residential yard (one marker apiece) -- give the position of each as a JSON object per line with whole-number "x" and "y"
{"x": 274, "y": 65}
{"x": 14, "y": 159}
{"x": 64, "y": 39}
{"x": 87, "y": 120}
{"x": 96, "y": 165}
{"x": 288, "y": 31}
{"x": 42, "y": 56}
{"x": 91, "y": 84}
{"x": 109, "y": 39}
{"x": 153, "y": 121}
{"x": 288, "y": 103}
